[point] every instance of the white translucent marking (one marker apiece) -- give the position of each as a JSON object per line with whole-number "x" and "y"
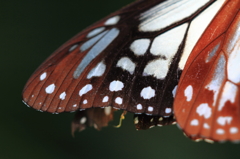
{"x": 206, "y": 126}
{"x": 32, "y": 96}
{"x": 233, "y": 130}
{"x": 62, "y": 95}
{"x": 74, "y": 105}
{"x": 107, "y": 110}
{"x": 97, "y": 71}
{"x": 167, "y": 13}
{"x": 113, "y": 20}
{"x": 174, "y": 91}
{"x": 140, "y": 46}
{"x": 229, "y": 93}
{"x": 118, "y": 100}
{"x": 139, "y": 107}
{"x": 50, "y": 89}
{"x": 116, "y": 86}
{"x": 194, "y": 122}
{"x": 212, "y": 53}
{"x": 224, "y": 120}
{"x": 83, "y": 120}
{"x": 101, "y": 45}
{"x": 197, "y": 27}
{"x": 188, "y": 92}
{"x": 126, "y": 64}
{"x": 220, "y": 131}
{"x": 168, "y": 110}
{"x": 95, "y": 32}
{"x": 85, "y": 89}
{"x": 147, "y": 92}
{"x": 73, "y": 47}
{"x": 150, "y": 109}
{"x": 59, "y": 107}
{"x": 217, "y": 79}
{"x": 165, "y": 46}
{"x": 85, "y": 101}
{"x": 204, "y": 110}
{"x": 233, "y": 64}
{"x": 105, "y": 99}
{"x": 43, "y": 76}
{"x": 86, "y": 45}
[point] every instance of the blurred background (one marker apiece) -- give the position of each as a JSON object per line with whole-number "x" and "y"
{"x": 29, "y": 32}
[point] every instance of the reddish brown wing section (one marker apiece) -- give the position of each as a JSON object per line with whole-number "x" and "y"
{"x": 207, "y": 103}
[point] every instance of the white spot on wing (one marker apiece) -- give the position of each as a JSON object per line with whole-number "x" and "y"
{"x": 50, "y": 89}
{"x": 139, "y": 107}
{"x": 73, "y": 47}
{"x": 224, "y": 120}
{"x": 116, "y": 86}
{"x": 62, "y": 95}
{"x": 126, "y": 64}
{"x": 85, "y": 89}
{"x": 140, "y": 46}
{"x": 43, "y": 76}
{"x": 197, "y": 27}
{"x": 168, "y": 110}
{"x": 188, "y": 92}
{"x": 147, "y": 92}
{"x": 204, "y": 110}
{"x": 118, "y": 100}
{"x": 85, "y": 101}
{"x": 105, "y": 99}
{"x": 74, "y": 105}
{"x": 113, "y": 20}
{"x": 97, "y": 71}
{"x": 194, "y": 122}
{"x": 220, "y": 131}
{"x": 206, "y": 126}
{"x": 95, "y": 32}
{"x": 233, "y": 130}
{"x": 150, "y": 109}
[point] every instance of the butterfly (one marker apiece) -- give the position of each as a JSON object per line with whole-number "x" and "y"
{"x": 163, "y": 60}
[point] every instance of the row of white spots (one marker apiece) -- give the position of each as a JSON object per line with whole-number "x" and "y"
{"x": 232, "y": 130}
{"x": 126, "y": 64}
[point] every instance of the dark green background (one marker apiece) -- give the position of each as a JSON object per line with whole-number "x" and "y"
{"x": 29, "y": 32}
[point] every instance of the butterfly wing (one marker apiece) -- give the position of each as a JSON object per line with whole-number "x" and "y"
{"x": 207, "y": 102}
